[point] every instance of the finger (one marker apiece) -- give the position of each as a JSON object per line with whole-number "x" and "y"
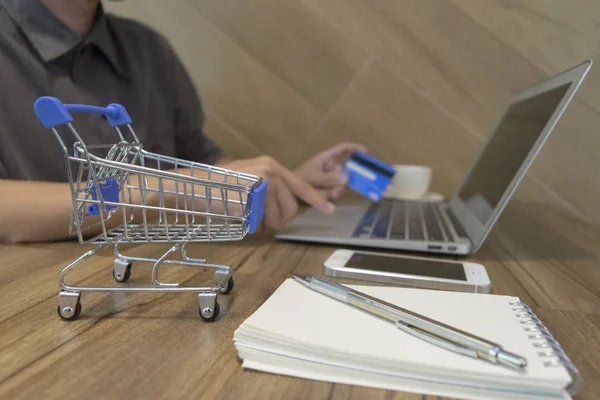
{"x": 336, "y": 192}
{"x": 329, "y": 165}
{"x": 272, "y": 218}
{"x": 328, "y": 179}
{"x": 304, "y": 190}
{"x": 325, "y": 193}
{"x": 287, "y": 203}
{"x": 261, "y": 227}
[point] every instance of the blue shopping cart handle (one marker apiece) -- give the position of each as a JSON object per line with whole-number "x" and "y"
{"x": 52, "y": 112}
{"x": 256, "y": 202}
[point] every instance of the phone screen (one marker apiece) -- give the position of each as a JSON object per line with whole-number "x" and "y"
{"x": 408, "y": 266}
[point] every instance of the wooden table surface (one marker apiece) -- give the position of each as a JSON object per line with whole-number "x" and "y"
{"x": 148, "y": 345}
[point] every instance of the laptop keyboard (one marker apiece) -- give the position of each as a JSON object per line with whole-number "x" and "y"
{"x": 434, "y": 230}
{"x": 415, "y": 223}
{"x": 399, "y": 225}
{"x": 382, "y": 221}
{"x": 404, "y": 220}
{"x": 365, "y": 225}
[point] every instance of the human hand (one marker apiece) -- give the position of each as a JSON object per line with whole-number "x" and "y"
{"x": 323, "y": 171}
{"x": 284, "y": 189}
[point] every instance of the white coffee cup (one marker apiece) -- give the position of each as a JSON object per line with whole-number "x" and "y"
{"x": 410, "y": 181}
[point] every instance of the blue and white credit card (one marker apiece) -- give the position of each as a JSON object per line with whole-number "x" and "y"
{"x": 368, "y": 175}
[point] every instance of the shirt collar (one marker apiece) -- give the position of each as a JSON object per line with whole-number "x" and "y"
{"x": 104, "y": 38}
{"x": 53, "y": 39}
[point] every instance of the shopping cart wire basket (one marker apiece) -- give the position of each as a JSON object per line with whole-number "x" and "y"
{"x": 122, "y": 193}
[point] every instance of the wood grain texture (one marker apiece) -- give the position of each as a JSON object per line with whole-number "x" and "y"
{"x": 143, "y": 345}
{"x": 549, "y": 34}
{"x": 290, "y": 78}
{"x": 324, "y": 61}
{"x": 419, "y": 81}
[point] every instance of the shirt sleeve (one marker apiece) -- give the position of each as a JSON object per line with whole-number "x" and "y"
{"x": 191, "y": 143}
{"x": 3, "y": 173}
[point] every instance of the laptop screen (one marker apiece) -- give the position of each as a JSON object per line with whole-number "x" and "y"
{"x": 513, "y": 139}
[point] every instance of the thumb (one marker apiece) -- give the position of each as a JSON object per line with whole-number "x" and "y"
{"x": 328, "y": 179}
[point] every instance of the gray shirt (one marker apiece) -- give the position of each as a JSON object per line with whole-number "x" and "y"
{"x": 120, "y": 61}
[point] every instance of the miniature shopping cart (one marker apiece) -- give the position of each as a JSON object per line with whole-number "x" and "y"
{"x": 124, "y": 194}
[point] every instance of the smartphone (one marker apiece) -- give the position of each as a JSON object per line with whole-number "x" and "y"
{"x": 418, "y": 272}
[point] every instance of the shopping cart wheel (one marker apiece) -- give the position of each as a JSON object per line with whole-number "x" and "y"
{"x": 210, "y": 314}
{"x": 230, "y": 285}
{"x": 69, "y": 306}
{"x": 224, "y": 280}
{"x": 208, "y": 307}
{"x": 68, "y": 315}
{"x": 121, "y": 270}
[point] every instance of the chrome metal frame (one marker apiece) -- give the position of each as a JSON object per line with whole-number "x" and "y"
{"x": 172, "y": 201}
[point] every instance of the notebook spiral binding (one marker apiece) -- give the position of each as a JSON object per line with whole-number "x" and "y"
{"x": 548, "y": 347}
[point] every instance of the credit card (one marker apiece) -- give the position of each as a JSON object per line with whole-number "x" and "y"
{"x": 367, "y": 175}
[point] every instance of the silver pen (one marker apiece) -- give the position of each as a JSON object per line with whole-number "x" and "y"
{"x": 417, "y": 325}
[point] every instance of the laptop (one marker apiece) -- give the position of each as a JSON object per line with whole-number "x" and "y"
{"x": 461, "y": 225}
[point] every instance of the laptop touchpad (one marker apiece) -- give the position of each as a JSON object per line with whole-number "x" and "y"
{"x": 314, "y": 223}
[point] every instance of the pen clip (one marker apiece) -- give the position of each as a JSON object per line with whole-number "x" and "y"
{"x": 436, "y": 340}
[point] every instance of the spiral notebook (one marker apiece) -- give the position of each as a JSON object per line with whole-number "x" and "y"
{"x": 302, "y": 333}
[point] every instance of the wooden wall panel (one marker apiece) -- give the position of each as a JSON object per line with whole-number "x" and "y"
{"x": 590, "y": 93}
{"x": 430, "y": 44}
{"x": 324, "y": 60}
{"x": 386, "y": 114}
{"x": 550, "y": 34}
{"x": 419, "y": 81}
{"x": 233, "y": 85}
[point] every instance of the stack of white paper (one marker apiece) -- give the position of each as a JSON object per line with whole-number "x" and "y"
{"x": 305, "y": 334}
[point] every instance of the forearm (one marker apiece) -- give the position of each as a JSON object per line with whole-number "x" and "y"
{"x": 34, "y": 211}
{"x": 223, "y": 161}
{"x": 40, "y": 211}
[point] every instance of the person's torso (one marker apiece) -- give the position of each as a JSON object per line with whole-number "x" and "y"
{"x": 29, "y": 151}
